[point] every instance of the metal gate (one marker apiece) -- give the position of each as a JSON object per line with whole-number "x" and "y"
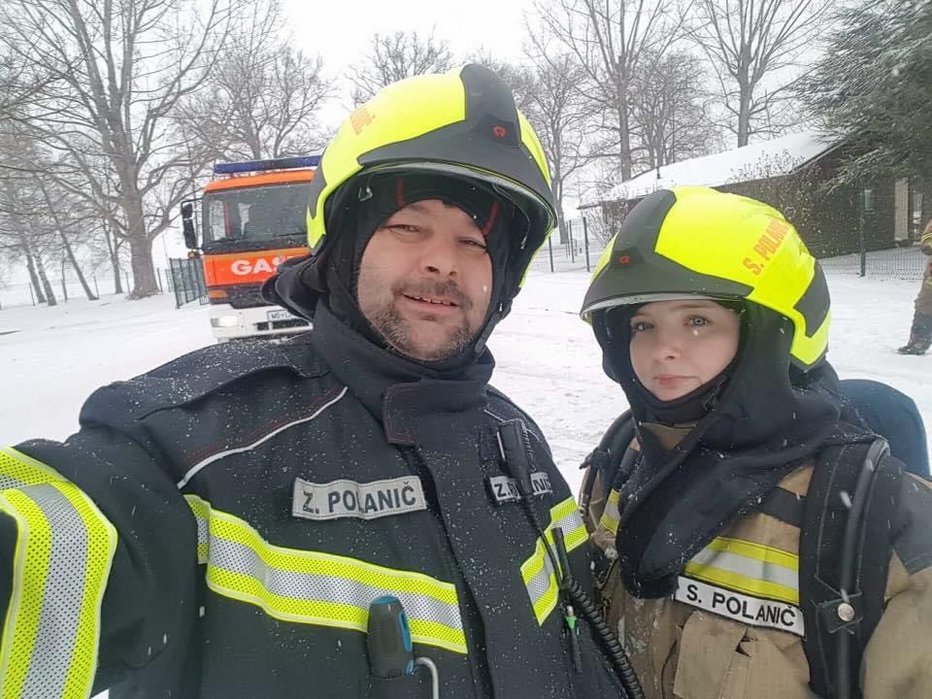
{"x": 187, "y": 279}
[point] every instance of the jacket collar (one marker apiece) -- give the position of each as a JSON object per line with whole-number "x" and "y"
{"x": 402, "y": 394}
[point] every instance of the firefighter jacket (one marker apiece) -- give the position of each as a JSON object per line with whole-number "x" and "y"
{"x": 733, "y": 629}
{"x": 219, "y": 527}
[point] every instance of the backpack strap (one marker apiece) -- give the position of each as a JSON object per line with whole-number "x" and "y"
{"x": 605, "y": 459}
{"x": 845, "y": 548}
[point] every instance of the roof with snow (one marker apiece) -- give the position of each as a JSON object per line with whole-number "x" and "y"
{"x": 763, "y": 160}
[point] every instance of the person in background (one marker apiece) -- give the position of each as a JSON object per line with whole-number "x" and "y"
{"x": 920, "y": 334}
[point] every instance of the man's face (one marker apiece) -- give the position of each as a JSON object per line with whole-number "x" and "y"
{"x": 425, "y": 280}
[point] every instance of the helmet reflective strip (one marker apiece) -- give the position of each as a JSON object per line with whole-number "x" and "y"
{"x": 311, "y": 587}
{"x": 537, "y": 571}
{"x": 64, "y": 550}
{"x": 748, "y": 567}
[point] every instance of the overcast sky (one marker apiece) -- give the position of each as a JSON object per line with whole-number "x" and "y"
{"x": 341, "y": 33}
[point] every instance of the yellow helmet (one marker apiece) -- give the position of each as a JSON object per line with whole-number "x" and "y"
{"x": 696, "y": 241}
{"x": 462, "y": 123}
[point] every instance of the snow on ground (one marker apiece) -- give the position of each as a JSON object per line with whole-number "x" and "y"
{"x": 547, "y": 359}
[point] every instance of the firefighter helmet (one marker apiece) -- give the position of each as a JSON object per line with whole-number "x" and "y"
{"x": 696, "y": 241}
{"x": 462, "y": 123}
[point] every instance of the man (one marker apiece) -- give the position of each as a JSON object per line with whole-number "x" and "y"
{"x": 223, "y": 523}
{"x": 920, "y": 334}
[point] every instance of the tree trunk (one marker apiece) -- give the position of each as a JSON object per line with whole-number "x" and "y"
{"x": 34, "y": 277}
{"x": 624, "y": 137}
{"x": 744, "y": 113}
{"x": 113, "y": 249}
{"x": 144, "y": 281}
{"x": 77, "y": 268}
{"x": 140, "y": 250}
{"x": 44, "y": 281}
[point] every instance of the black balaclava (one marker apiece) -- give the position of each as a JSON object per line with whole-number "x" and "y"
{"x": 760, "y": 426}
{"x": 358, "y": 209}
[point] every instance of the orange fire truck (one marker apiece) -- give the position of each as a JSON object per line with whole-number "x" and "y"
{"x": 252, "y": 218}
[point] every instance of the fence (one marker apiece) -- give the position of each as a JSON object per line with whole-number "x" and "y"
{"x": 67, "y": 287}
{"x": 581, "y": 250}
{"x": 895, "y": 263}
{"x": 187, "y": 280}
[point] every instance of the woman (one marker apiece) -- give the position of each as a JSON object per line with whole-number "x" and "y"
{"x": 713, "y": 317}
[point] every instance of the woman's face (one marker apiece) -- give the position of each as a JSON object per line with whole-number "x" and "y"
{"x": 677, "y": 346}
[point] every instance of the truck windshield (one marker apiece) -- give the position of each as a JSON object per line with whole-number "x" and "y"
{"x": 256, "y": 213}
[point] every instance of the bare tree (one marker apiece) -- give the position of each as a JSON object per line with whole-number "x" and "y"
{"x": 22, "y": 236}
{"x": 608, "y": 39}
{"x": 748, "y": 42}
{"x": 263, "y": 99}
{"x": 669, "y": 107}
{"x": 396, "y": 56}
{"x": 119, "y": 70}
{"x": 559, "y": 113}
{"x": 39, "y": 218}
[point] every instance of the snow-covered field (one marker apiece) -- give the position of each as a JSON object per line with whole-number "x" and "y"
{"x": 547, "y": 359}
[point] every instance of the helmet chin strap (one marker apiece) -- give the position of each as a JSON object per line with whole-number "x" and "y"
{"x": 493, "y": 320}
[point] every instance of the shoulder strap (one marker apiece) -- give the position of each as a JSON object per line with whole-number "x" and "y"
{"x": 845, "y": 548}
{"x": 605, "y": 459}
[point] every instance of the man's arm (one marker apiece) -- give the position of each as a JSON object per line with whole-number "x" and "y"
{"x": 98, "y": 560}
{"x": 926, "y": 240}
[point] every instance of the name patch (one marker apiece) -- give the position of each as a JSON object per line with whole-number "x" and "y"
{"x": 505, "y": 489}
{"x": 743, "y": 608}
{"x": 345, "y": 498}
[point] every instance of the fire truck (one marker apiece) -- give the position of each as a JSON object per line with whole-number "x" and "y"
{"x": 252, "y": 218}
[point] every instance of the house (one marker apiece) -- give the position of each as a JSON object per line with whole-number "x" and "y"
{"x": 795, "y": 174}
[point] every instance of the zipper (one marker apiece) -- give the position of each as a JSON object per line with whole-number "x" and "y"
{"x": 481, "y": 677}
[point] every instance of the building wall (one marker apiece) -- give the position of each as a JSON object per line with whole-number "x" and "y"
{"x": 828, "y": 218}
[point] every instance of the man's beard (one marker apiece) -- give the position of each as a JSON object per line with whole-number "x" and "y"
{"x": 396, "y": 331}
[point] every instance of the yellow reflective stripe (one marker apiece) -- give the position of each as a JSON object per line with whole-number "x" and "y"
{"x": 756, "y": 551}
{"x": 30, "y": 571}
{"x": 61, "y": 563}
{"x": 540, "y": 580}
{"x": 748, "y": 567}
{"x": 537, "y": 571}
{"x": 17, "y": 469}
{"x": 610, "y": 516}
{"x": 312, "y": 587}
{"x": 101, "y": 541}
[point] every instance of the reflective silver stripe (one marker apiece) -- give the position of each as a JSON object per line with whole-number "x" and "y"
{"x": 610, "y": 515}
{"x": 10, "y": 482}
{"x": 541, "y": 584}
{"x": 572, "y": 525}
{"x": 64, "y": 590}
{"x": 236, "y": 558}
{"x": 748, "y": 567}
{"x": 312, "y": 587}
{"x": 201, "y": 511}
{"x": 194, "y": 470}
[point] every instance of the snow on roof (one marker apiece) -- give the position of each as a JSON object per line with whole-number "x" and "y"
{"x": 779, "y": 156}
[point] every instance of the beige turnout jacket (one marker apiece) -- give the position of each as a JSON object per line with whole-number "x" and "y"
{"x": 734, "y": 629}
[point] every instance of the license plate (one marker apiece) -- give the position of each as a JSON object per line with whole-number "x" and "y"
{"x": 278, "y": 315}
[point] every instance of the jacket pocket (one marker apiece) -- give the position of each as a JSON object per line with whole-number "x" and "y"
{"x": 709, "y": 658}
